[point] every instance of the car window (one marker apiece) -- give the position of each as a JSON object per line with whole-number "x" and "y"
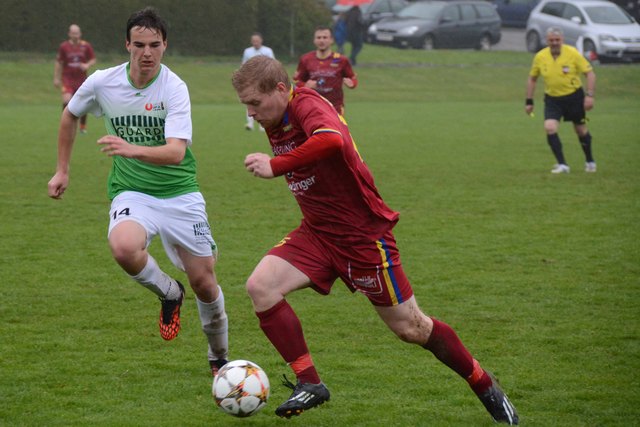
{"x": 485, "y": 10}
{"x": 468, "y": 12}
{"x": 553, "y": 9}
{"x": 396, "y": 5}
{"x": 570, "y": 11}
{"x": 380, "y": 7}
{"x": 451, "y": 13}
{"x": 608, "y": 15}
{"x": 424, "y": 10}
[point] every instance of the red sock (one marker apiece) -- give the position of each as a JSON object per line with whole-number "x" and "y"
{"x": 282, "y": 327}
{"x": 447, "y": 347}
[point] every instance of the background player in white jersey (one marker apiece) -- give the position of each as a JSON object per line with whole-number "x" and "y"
{"x": 256, "y": 49}
{"x": 152, "y": 183}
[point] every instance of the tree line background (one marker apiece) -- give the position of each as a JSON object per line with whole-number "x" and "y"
{"x": 195, "y": 27}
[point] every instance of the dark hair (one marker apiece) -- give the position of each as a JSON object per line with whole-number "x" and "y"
{"x": 323, "y": 28}
{"x": 147, "y": 18}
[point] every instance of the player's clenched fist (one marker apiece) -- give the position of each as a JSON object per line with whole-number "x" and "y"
{"x": 259, "y": 164}
{"x": 57, "y": 185}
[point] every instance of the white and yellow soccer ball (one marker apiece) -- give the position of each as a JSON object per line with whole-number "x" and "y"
{"x": 241, "y": 388}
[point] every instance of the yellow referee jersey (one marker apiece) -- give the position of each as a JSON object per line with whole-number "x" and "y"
{"x": 562, "y": 74}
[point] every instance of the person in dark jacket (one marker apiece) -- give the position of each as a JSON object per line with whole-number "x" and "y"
{"x": 355, "y": 32}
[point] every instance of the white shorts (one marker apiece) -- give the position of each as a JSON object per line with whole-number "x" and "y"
{"x": 180, "y": 221}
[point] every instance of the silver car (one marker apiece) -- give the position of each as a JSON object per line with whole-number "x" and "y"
{"x": 600, "y": 29}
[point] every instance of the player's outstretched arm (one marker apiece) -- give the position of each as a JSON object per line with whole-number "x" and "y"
{"x": 66, "y": 136}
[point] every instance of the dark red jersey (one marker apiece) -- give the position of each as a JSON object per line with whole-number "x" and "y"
{"x": 71, "y": 56}
{"x": 337, "y": 195}
{"x": 328, "y": 73}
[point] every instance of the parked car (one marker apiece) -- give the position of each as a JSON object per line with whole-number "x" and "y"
{"x": 596, "y": 27}
{"x": 372, "y": 11}
{"x": 381, "y": 9}
{"x": 632, "y": 7}
{"x": 440, "y": 24}
{"x": 514, "y": 13}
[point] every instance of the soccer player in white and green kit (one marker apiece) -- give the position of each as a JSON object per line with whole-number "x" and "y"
{"x": 152, "y": 184}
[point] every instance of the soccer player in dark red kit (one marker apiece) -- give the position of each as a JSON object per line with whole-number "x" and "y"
{"x": 346, "y": 233}
{"x": 75, "y": 57}
{"x": 326, "y": 71}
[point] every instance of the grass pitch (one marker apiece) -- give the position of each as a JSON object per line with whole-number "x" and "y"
{"x": 538, "y": 274}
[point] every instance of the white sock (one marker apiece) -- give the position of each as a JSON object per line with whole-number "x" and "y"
{"x": 215, "y": 326}
{"x": 157, "y": 281}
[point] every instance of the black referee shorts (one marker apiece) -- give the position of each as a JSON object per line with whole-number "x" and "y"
{"x": 569, "y": 107}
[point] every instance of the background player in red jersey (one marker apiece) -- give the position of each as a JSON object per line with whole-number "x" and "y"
{"x": 346, "y": 233}
{"x": 75, "y": 57}
{"x": 326, "y": 71}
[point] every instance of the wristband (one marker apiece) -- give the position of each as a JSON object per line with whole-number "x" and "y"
{"x": 528, "y": 101}
{"x": 589, "y": 94}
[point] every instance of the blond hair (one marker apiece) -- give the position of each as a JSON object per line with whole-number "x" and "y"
{"x": 262, "y": 72}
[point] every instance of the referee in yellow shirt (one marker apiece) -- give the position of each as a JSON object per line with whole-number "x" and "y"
{"x": 560, "y": 66}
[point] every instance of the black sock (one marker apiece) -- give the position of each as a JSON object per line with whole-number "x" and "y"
{"x": 585, "y": 142}
{"x": 556, "y": 147}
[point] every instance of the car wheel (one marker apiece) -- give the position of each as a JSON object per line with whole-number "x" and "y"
{"x": 484, "y": 43}
{"x": 589, "y": 49}
{"x": 533, "y": 42}
{"x": 428, "y": 43}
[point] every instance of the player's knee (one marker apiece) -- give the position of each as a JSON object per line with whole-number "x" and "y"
{"x": 256, "y": 288}
{"x": 409, "y": 332}
{"x": 410, "y": 335}
{"x": 204, "y": 286}
{"x": 119, "y": 252}
{"x": 550, "y": 128}
{"x": 416, "y": 331}
{"x": 581, "y": 131}
{"x": 123, "y": 252}
{"x": 404, "y": 335}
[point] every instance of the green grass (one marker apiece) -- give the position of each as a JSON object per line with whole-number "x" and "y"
{"x": 539, "y": 274}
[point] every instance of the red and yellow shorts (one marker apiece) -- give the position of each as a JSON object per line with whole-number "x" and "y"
{"x": 372, "y": 268}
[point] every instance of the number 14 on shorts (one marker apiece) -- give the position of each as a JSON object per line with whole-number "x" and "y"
{"x": 122, "y": 212}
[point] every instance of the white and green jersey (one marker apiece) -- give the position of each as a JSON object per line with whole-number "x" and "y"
{"x": 146, "y": 116}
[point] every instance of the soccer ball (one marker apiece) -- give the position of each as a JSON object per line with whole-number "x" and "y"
{"x": 241, "y": 388}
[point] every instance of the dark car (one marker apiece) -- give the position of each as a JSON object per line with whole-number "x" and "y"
{"x": 372, "y": 11}
{"x": 514, "y": 13}
{"x": 381, "y": 9}
{"x": 440, "y": 24}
